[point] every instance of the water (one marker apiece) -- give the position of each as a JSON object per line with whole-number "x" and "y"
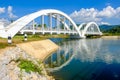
{"x": 86, "y": 59}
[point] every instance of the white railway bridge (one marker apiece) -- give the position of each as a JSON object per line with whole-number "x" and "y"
{"x": 56, "y": 22}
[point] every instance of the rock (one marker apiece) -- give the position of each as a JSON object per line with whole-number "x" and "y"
{"x": 6, "y": 78}
{"x": 10, "y": 71}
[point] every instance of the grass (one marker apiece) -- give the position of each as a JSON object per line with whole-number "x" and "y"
{"x": 20, "y": 39}
{"x": 111, "y": 34}
{"x": 28, "y": 66}
{"x": 3, "y": 45}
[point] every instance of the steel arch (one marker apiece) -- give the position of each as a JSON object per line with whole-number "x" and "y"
{"x": 16, "y": 26}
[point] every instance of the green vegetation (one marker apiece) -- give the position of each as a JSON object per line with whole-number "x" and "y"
{"x": 20, "y": 39}
{"x": 115, "y": 31}
{"x": 28, "y": 66}
{"x": 3, "y": 45}
{"x": 111, "y": 34}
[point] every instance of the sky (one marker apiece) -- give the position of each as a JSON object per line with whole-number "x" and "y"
{"x": 81, "y": 11}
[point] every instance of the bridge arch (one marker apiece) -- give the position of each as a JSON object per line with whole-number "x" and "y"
{"x": 16, "y": 26}
{"x": 90, "y": 25}
{"x": 81, "y": 25}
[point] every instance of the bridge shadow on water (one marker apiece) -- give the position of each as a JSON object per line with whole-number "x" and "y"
{"x": 86, "y": 59}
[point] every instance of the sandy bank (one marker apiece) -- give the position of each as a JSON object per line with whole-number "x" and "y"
{"x": 110, "y": 37}
{"x": 39, "y": 49}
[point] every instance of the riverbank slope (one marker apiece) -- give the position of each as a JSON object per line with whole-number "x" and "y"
{"x": 12, "y": 60}
{"x": 39, "y": 49}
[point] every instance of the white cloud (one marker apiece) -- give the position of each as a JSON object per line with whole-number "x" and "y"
{"x": 107, "y": 12}
{"x": 118, "y": 12}
{"x": 5, "y": 21}
{"x": 2, "y": 10}
{"x": 10, "y": 12}
{"x": 92, "y": 14}
{"x": 85, "y": 15}
{"x": 104, "y": 23}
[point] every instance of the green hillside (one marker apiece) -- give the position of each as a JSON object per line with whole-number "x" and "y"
{"x": 113, "y": 31}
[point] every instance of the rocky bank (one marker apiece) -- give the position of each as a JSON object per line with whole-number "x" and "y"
{"x": 9, "y": 69}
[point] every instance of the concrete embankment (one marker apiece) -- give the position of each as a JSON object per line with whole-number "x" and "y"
{"x": 39, "y": 49}
{"x": 32, "y": 51}
{"x": 110, "y": 37}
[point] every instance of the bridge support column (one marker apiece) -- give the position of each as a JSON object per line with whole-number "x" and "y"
{"x": 33, "y": 26}
{"x": 42, "y": 21}
{"x": 69, "y": 27}
{"x": 64, "y": 25}
{"x": 58, "y": 25}
{"x": 50, "y": 22}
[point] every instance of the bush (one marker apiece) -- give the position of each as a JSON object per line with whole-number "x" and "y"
{"x": 29, "y": 66}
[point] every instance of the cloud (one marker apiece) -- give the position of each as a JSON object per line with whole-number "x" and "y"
{"x": 10, "y": 12}
{"x": 2, "y": 10}
{"x": 85, "y": 15}
{"x": 107, "y": 12}
{"x": 118, "y": 12}
{"x": 99, "y": 16}
{"x": 105, "y": 23}
{"x": 5, "y": 21}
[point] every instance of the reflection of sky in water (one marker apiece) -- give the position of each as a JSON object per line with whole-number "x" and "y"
{"x": 87, "y": 59}
{"x": 91, "y": 50}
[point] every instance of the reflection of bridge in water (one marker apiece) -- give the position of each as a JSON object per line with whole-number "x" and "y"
{"x": 85, "y": 50}
{"x": 61, "y": 58}
{"x": 49, "y": 21}
{"x": 70, "y": 50}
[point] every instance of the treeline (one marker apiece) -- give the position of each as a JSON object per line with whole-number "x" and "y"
{"x": 115, "y": 30}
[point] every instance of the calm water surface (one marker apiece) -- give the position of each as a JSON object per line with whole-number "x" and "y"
{"x": 86, "y": 59}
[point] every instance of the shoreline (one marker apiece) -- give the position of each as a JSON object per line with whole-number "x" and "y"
{"x": 110, "y": 37}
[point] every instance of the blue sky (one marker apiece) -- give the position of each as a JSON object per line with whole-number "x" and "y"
{"x": 100, "y": 11}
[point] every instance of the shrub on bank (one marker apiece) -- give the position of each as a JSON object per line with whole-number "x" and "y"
{"x": 28, "y": 66}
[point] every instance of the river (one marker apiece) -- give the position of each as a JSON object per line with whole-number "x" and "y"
{"x": 86, "y": 59}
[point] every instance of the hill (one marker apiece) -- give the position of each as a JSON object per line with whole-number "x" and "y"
{"x": 110, "y": 29}
{"x": 106, "y": 27}
{"x": 115, "y": 29}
